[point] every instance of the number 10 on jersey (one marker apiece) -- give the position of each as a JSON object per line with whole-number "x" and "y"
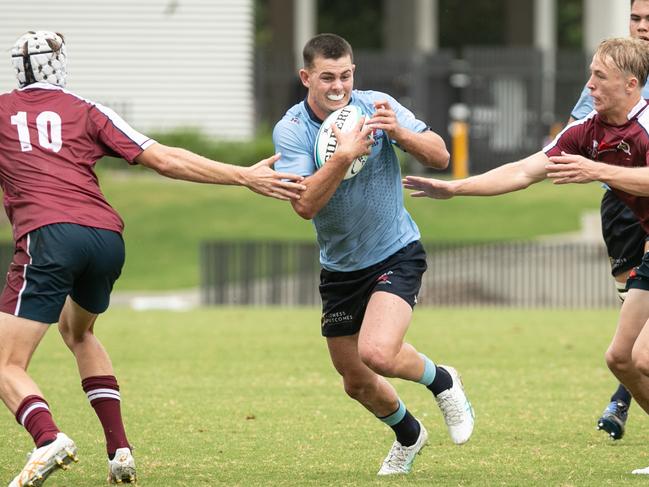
{"x": 48, "y": 125}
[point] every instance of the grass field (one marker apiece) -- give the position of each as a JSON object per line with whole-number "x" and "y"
{"x": 241, "y": 397}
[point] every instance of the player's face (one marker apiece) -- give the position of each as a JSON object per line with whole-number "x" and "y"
{"x": 330, "y": 83}
{"x": 639, "y": 20}
{"x": 609, "y": 88}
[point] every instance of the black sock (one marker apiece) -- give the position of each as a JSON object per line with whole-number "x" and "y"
{"x": 622, "y": 395}
{"x": 407, "y": 430}
{"x": 442, "y": 382}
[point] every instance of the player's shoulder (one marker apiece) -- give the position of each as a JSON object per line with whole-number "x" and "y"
{"x": 295, "y": 121}
{"x": 370, "y": 96}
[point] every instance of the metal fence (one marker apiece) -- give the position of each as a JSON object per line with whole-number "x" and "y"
{"x": 510, "y": 274}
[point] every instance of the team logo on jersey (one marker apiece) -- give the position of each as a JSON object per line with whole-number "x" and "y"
{"x": 624, "y": 147}
{"x": 602, "y": 147}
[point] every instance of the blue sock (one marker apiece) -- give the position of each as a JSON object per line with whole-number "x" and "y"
{"x": 435, "y": 378}
{"x": 430, "y": 371}
{"x": 404, "y": 425}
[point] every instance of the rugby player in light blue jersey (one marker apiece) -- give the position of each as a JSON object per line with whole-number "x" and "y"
{"x": 626, "y": 240}
{"x": 372, "y": 260}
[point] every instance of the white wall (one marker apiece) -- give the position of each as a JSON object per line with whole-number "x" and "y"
{"x": 160, "y": 63}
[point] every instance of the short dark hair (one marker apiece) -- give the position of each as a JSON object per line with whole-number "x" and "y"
{"x": 328, "y": 46}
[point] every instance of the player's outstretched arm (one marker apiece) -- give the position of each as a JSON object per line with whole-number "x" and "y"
{"x": 503, "y": 179}
{"x": 570, "y": 168}
{"x": 427, "y": 147}
{"x": 177, "y": 163}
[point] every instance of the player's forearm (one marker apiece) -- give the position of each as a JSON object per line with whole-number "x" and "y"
{"x": 320, "y": 187}
{"x": 177, "y": 163}
{"x": 427, "y": 147}
{"x": 501, "y": 180}
{"x": 632, "y": 180}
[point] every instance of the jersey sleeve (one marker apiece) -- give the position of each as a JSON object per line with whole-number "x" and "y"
{"x": 583, "y": 106}
{"x": 117, "y": 135}
{"x": 405, "y": 117}
{"x": 290, "y": 140}
{"x": 566, "y": 141}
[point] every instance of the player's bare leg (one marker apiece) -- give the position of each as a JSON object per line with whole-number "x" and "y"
{"x": 380, "y": 341}
{"x": 382, "y": 349}
{"x": 377, "y": 395}
{"x": 624, "y": 356}
{"x": 18, "y": 341}
{"x": 76, "y": 326}
{"x": 19, "y": 338}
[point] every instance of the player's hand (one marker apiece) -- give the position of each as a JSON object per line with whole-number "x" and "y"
{"x": 570, "y": 168}
{"x": 354, "y": 143}
{"x": 385, "y": 119}
{"x": 428, "y": 187}
{"x": 262, "y": 179}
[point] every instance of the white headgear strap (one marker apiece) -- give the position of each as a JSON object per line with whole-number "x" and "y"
{"x": 40, "y": 56}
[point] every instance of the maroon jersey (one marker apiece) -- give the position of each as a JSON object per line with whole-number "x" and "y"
{"x": 50, "y": 140}
{"x": 620, "y": 145}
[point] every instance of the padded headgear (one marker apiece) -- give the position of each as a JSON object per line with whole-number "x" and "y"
{"x": 39, "y": 56}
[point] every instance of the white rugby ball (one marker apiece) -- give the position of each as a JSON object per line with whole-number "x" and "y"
{"x": 345, "y": 119}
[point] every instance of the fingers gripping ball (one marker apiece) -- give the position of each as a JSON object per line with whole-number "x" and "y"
{"x": 345, "y": 119}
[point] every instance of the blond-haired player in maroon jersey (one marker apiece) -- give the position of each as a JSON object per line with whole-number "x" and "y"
{"x": 610, "y": 145}
{"x": 69, "y": 249}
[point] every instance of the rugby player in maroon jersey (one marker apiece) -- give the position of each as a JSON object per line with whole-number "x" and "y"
{"x": 69, "y": 248}
{"x": 611, "y": 145}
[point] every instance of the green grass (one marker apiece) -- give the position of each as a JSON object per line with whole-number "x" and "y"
{"x": 166, "y": 221}
{"x": 240, "y": 397}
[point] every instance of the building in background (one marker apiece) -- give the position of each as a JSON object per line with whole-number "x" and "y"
{"x": 162, "y": 64}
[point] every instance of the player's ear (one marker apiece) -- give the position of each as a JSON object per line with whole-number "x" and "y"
{"x": 304, "y": 77}
{"x": 632, "y": 83}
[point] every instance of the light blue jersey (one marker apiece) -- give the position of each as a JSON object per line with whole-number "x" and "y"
{"x": 585, "y": 103}
{"x": 365, "y": 220}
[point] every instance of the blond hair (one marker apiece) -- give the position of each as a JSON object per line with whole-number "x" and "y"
{"x": 631, "y": 56}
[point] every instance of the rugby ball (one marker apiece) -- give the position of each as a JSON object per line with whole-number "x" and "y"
{"x": 345, "y": 119}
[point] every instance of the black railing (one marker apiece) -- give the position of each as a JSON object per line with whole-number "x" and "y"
{"x": 514, "y": 274}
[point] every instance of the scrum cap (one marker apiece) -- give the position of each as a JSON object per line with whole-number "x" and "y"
{"x": 39, "y": 56}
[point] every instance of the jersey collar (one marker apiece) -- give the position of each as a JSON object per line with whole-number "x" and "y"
{"x": 42, "y": 85}
{"x": 639, "y": 107}
{"x": 312, "y": 114}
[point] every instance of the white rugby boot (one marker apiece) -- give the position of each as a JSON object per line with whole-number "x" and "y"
{"x": 45, "y": 460}
{"x": 121, "y": 469}
{"x": 641, "y": 471}
{"x": 400, "y": 458}
{"x": 456, "y": 409}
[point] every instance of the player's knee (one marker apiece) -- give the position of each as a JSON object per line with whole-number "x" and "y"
{"x": 380, "y": 361}
{"x": 617, "y": 360}
{"x": 357, "y": 389}
{"x": 70, "y": 335}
